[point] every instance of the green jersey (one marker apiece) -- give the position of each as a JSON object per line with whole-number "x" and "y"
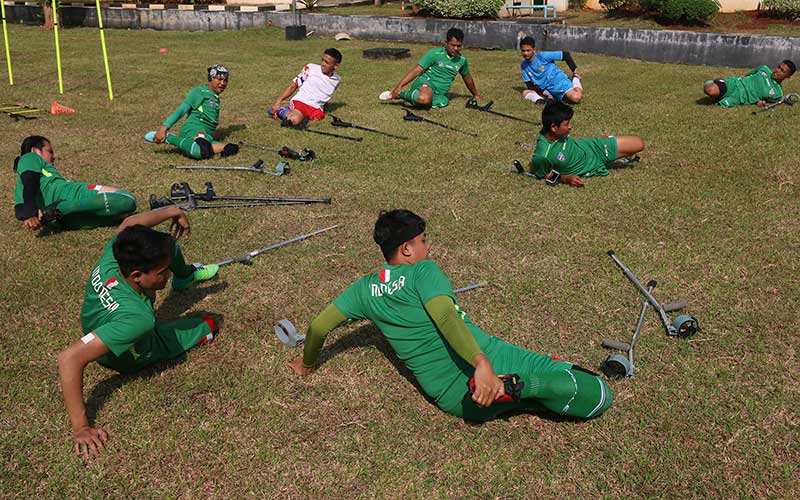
{"x": 51, "y": 184}
{"x": 756, "y": 86}
{"x": 203, "y": 116}
{"x": 114, "y": 311}
{"x": 584, "y": 157}
{"x": 441, "y": 69}
{"x": 394, "y": 300}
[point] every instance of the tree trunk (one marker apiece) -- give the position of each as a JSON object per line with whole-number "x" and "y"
{"x": 47, "y": 7}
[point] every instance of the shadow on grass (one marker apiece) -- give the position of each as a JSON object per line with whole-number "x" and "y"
{"x": 222, "y": 133}
{"x": 334, "y": 106}
{"x": 103, "y": 390}
{"x": 368, "y": 335}
{"x": 178, "y": 302}
{"x": 706, "y": 101}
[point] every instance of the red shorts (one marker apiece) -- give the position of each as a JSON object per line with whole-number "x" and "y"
{"x": 308, "y": 111}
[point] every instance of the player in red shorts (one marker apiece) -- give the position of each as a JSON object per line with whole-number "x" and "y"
{"x": 316, "y": 84}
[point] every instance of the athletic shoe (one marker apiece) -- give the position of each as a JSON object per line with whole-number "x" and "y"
{"x": 512, "y": 386}
{"x": 202, "y": 273}
{"x": 386, "y": 95}
{"x": 51, "y": 213}
{"x": 229, "y": 150}
{"x": 150, "y": 136}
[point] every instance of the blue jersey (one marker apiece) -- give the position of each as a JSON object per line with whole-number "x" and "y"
{"x": 542, "y": 71}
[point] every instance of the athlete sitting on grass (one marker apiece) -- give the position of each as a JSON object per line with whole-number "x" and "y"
{"x": 412, "y": 303}
{"x": 544, "y": 79}
{"x": 317, "y": 83}
{"x": 120, "y": 330}
{"x": 201, "y": 108}
{"x": 756, "y": 87}
{"x": 43, "y": 197}
{"x": 434, "y": 75}
{"x": 560, "y": 158}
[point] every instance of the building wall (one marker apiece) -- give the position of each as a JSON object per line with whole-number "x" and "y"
{"x": 726, "y": 5}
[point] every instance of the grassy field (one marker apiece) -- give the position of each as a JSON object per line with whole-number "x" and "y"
{"x": 725, "y": 22}
{"x": 711, "y": 213}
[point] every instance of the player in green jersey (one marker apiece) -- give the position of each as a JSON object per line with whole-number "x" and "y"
{"x": 42, "y": 196}
{"x": 120, "y": 330}
{"x": 201, "y": 108}
{"x": 411, "y": 302}
{"x": 434, "y": 75}
{"x": 759, "y": 86}
{"x": 560, "y": 158}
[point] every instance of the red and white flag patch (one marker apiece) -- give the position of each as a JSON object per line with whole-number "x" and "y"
{"x": 111, "y": 282}
{"x": 384, "y": 275}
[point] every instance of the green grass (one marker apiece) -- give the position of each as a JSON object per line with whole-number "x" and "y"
{"x": 733, "y": 22}
{"x": 711, "y": 213}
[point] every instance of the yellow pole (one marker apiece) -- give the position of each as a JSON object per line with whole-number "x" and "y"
{"x": 5, "y": 39}
{"x": 105, "y": 54}
{"x": 58, "y": 49}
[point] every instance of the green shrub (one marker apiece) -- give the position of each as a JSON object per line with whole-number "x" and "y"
{"x": 789, "y": 9}
{"x": 577, "y": 4}
{"x": 688, "y": 11}
{"x": 461, "y": 9}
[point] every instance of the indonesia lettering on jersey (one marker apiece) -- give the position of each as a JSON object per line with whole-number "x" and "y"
{"x": 316, "y": 88}
{"x": 386, "y": 285}
{"x": 103, "y": 290}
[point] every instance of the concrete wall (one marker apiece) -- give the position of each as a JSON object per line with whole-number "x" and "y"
{"x": 725, "y": 5}
{"x": 716, "y": 49}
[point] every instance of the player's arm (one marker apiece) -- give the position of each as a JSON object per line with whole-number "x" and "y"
{"x": 27, "y": 211}
{"x": 179, "y": 226}
{"x": 444, "y": 314}
{"x": 180, "y": 112}
{"x": 328, "y": 320}
{"x": 567, "y": 58}
{"x": 71, "y": 363}
{"x": 285, "y": 95}
{"x": 410, "y": 77}
{"x": 470, "y": 83}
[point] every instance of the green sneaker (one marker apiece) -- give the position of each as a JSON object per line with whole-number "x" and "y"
{"x": 200, "y": 273}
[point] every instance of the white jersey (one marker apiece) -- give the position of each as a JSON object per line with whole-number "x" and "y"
{"x": 316, "y": 88}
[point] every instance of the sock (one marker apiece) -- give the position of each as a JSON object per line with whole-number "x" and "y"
{"x": 187, "y": 145}
{"x": 409, "y": 95}
{"x": 576, "y": 82}
{"x": 179, "y": 267}
{"x": 532, "y": 96}
{"x": 568, "y": 392}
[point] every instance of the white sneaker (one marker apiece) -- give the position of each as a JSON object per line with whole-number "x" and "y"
{"x": 386, "y": 95}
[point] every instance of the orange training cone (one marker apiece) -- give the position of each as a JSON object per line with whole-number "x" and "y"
{"x": 60, "y": 109}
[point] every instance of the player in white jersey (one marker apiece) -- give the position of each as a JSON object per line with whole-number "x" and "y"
{"x": 316, "y": 84}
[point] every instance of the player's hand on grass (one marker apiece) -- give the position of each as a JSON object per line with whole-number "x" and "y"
{"x": 33, "y": 222}
{"x": 762, "y": 104}
{"x": 161, "y": 135}
{"x": 298, "y": 368}
{"x": 180, "y": 226}
{"x": 573, "y": 180}
{"x": 488, "y": 386}
{"x": 88, "y": 439}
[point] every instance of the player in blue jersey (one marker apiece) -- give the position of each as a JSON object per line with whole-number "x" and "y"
{"x": 545, "y": 81}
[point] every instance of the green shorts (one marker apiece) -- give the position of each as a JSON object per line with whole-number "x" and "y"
{"x": 599, "y": 152}
{"x": 439, "y": 98}
{"x": 168, "y": 340}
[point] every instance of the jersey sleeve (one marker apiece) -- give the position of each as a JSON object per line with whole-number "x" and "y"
{"x": 30, "y": 162}
{"x": 539, "y": 166}
{"x": 194, "y": 98}
{"x": 430, "y": 281}
{"x": 428, "y": 59}
{"x": 301, "y": 77}
{"x": 465, "y": 68}
{"x": 551, "y": 56}
{"x": 349, "y": 301}
{"x": 124, "y": 331}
